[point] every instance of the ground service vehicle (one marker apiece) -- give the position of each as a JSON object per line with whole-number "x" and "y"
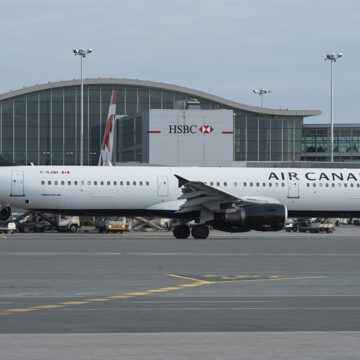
{"x": 111, "y": 224}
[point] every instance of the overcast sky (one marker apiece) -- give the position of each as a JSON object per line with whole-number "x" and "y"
{"x": 223, "y": 47}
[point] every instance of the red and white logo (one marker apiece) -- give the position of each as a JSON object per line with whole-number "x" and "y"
{"x": 206, "y": 129}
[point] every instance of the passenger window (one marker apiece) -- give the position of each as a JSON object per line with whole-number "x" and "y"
{"x": 307, "y": 184}
{"x": 101, "y": 183}
{"x": 357, "y": 185}
{"x": 263, "y": 184}
{"x": 320, "y": 184}
{"x": 251, "y": 184}
{"x": 245, "y": 184}
{"x": 147, "y": 183}
{"x": 257, "y": 184}
{"x": 282, "y": 184}
{"x": 225, "y": 183}
{"x": 332, "y": 185}
{"x": 42, "y": 182}
{"x": 128, "y": 183}
{"x": 115, "y": 183}
{"x": 345, "y": 185}
{"x": 314, "y": 184}
{"x": 62, "y": 182}
{"x": 75, "y": 182}
{"x": 351, "y": 185}
{"x": 326, "y": 184}
{"x": 82, "y": 182}
{"x": 211, "y": 183}
{"x": 217, "y": 183}
{"x": 89, "y": 182}
{"x": 121, "y": 183}
{"x": 134, "y": 183}
{"x": 276, "y": 184}
{"x": 69, "y": 182}
{"x": 108, "y": 182}
{"x": 270, "y": 184}
{"x": 56, "y": 182}
{"x": 95, "y": 183}
{"x": 140, "y": 183}
{"x": 235, "y": 184}
{"x": 339, "y": 184}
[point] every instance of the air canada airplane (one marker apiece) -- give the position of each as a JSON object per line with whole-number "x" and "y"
{"x": 227, "y": 199}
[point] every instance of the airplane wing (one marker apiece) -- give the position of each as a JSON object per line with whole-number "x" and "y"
{"x": 207, "y": 200}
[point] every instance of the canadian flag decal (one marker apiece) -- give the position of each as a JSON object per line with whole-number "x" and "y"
{"x": 206, "y": 129}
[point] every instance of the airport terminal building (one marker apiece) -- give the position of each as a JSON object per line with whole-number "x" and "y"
{"x": 157, "y": 123}
{"x": 41, "y": 124}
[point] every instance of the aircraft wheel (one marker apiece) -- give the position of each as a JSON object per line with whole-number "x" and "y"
{"x": 181, "y": 231}
{"x": 200, "y": 232}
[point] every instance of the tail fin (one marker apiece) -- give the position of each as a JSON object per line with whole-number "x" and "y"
{"x": 108, "y": 140}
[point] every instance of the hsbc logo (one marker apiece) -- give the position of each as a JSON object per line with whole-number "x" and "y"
{"x": 206, "y": 129}
{"x": 190, "y": 129}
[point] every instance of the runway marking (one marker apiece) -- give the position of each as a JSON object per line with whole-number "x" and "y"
{"x": 198, "y": 280}
{"x": 46, "y": 307}
{"x": 103, "y": 299}
{"x": 184, "y": 277}
{"x": 20, "y": 310}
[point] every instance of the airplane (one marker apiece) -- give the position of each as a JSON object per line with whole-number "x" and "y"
{"x": 108, "y": 140}
{"x": 227, "y": 199}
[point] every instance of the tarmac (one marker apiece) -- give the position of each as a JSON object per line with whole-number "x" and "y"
{"x": 148, "y": 295}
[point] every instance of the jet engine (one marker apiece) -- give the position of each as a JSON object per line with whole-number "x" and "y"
{"x": 260, "y": 217}
{"x": 5, "y": 213}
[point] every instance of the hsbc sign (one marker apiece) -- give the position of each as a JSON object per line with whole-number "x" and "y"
{"x": 190, "y": 129}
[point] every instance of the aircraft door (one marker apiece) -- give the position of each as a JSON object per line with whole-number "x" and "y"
{"x": 162, "y": 185}
{"x": 293, "y": 189}
{"x": 17, "y": 183}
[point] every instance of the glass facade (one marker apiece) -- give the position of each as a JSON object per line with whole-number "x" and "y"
{"x": 42, "y": 126}
{"x": 316, "y": 143}
{"x": 260, "y": 137}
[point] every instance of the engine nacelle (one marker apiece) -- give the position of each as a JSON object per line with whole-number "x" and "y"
{"x": 5, "y": 213}
{"x": 260, "y": 217}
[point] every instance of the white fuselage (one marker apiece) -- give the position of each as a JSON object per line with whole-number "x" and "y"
{"x": 140, "y": 190}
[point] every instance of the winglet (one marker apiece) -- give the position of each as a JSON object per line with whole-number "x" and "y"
{"x": 182, "y": 181}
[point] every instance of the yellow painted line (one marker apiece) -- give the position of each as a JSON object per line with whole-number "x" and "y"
{"x": 74, "y": 302}
{"x": 40, "y": 307}
{"x": 107, "y": 298}
{"x": 20, "y": 310}
{"x": 170, "y": 288}
{"x": 3, "y": 313}
{"x": 137, "y": 293}
{"x": 197, "y": 282}
{"x": 156, "y": 290}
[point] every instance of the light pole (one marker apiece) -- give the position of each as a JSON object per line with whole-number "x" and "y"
{"x": 82, "y": 53}
{"x": 332, "y": 58}
{"x": 261, "y": 92}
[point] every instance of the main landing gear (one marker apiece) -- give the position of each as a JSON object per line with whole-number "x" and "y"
{"x": 197, "y": 231}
